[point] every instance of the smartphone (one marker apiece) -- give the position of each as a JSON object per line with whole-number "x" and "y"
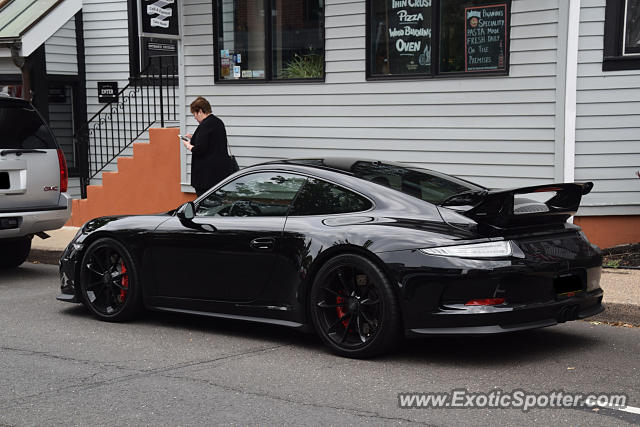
{"x": 185, "y": 138}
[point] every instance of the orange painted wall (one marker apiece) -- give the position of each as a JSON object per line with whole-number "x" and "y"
{"x": 609, "y": 231}
{"x": 147, "y": 183}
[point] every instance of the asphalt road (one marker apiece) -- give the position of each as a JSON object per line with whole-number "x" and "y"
{"x": 60, "y": 366}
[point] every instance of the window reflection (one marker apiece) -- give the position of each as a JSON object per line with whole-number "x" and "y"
{"x": 294, "y": 29}
{"x": 319, "y": 197}
{"x": 298, "y": 42}
{"x": 429, "y": 186}
{"x": 241, "y": 39}
{"x": 260, "y": 194}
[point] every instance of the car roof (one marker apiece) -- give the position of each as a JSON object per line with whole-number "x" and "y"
{"x": 10, "y": 100}
{"x": 345, "y": 166}
{"x": 342, "y": 165}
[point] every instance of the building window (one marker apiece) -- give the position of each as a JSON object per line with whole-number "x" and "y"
{"x": 426, "y": 38}
{"x": 622, "y": 35}
{"x": 632, "y": 28}
{"x": 269, "y": 40}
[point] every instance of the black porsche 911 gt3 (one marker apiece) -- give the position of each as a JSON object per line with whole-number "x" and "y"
{"x": 363, "y": 252}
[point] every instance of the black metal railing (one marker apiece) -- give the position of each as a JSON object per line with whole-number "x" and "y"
{"x": 145, "y": 101}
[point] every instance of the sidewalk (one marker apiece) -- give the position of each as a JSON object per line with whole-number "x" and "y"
{"x": 621, "y": 286}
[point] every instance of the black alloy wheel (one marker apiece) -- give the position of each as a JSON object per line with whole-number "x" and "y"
{"x": 354, "y": 308}
{"x": 108, "y": 281}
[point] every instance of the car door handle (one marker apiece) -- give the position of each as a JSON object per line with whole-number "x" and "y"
{"x": 263, "y": 243}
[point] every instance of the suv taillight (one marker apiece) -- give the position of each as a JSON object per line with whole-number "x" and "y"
{"x": 64, "y": 175}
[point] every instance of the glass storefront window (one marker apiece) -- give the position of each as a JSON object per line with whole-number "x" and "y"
{"x": 297, "y": 40}
{"x": 632, "y": 28}
{"x": 14, "y": 90}
{"x": 241, "y": 48}
{"x": 427, "y": 38}
{"x": 472, "y": 36}
{"x": 400, "y": 37}
{"x": 290, "y": 45}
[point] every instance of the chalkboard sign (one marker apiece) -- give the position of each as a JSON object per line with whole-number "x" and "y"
{"x": 408, "y": 36}
{"x": 485, "y": 37}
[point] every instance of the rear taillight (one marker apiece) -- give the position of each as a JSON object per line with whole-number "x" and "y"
{"x": 486, "y": 301}
{"x": 64, "y": 174}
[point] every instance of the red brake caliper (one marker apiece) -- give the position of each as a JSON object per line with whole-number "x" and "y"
{"x": 125, "y": 282}
{"x": 340, "y": 310}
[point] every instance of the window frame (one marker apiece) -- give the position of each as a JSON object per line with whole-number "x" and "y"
{"x": 268, "y": 51}
{"x": 435, "y": 50}
{"x": 614, "y": 59}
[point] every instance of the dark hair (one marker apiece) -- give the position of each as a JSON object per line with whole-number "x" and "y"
{"x": 200, "y": 104}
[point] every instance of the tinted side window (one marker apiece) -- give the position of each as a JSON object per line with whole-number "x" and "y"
{"x": 430, "y": 186}
{"x": 23, "y": 128}
{"x": 258, "y": 194}
{"x": 319, "y": 197}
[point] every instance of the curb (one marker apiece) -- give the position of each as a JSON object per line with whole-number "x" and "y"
{"x": 44, "y": 256}
{"x": 613, "y": 313}
{"x": 616, "y": 312}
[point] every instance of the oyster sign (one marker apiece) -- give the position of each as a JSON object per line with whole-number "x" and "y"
{"x": 159, "y": 18}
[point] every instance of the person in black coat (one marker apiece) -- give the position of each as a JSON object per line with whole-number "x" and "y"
{"x": 210, "y": 161}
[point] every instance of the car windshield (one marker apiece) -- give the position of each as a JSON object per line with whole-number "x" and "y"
{"x": 430, "y": 186}
{"x": 22, "y": 128}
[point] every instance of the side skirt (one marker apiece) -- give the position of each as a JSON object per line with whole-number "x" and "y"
{"x": 279, "y": 322}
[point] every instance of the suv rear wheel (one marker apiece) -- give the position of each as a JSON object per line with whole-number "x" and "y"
{"x": 14, "y": 252}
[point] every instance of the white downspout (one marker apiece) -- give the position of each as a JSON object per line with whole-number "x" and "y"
{"x": 182, "y": 103}
{"x": 571, "y": 91}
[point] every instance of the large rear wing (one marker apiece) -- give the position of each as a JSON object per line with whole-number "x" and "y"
{"x": 498, "y": 208}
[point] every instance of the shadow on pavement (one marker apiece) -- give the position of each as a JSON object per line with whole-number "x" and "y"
{"x": 25, "y": 272}
{"x": 517, "y": 347}
{"x": 520, "y": 347}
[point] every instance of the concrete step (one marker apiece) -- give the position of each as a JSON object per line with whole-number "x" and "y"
{"x": 147, "y": 182}
{"x": 113, "y": 165}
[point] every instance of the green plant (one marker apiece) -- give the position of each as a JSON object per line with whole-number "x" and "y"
{"x": 309, "y": 66}
{"x": 611, "y": 263}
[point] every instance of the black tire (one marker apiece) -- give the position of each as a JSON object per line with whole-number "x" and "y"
{"x": 353, "y": 307}
{"x": 109, "y": 285}
{"x": 13, "y": 252}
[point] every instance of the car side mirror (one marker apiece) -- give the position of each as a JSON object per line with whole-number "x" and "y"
{"x": 187, "y": 211}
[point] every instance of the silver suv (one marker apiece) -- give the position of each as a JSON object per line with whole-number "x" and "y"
{"x": 33, "y": 180}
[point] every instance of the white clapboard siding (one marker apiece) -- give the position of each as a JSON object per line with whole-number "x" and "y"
{"x": 60, "y": 50}
{"x": 107, "y": 59}
{"x": 73, "y": 188}
{"x": 607, "y": 123}
{"x": 8, "y": 67}
{"x": 62, "y": 125}
{"x": 106, "y": 40}
{"x": 499, "y": 131}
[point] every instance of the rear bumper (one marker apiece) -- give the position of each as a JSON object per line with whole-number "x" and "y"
{"x": 502, "y": 319}
{"x": 30, "y": 222}
{"x": 557, "y": 280}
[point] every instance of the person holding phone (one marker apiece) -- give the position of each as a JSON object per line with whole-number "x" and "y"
{"x": 210, "y": 161}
